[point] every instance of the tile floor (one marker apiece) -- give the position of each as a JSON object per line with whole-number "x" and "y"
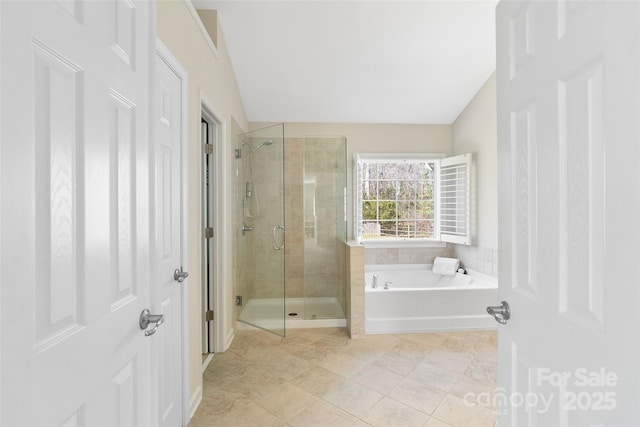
{"x": 319, "y": 377}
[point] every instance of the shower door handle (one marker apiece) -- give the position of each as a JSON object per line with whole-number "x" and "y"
{"x": 273, "y": 237}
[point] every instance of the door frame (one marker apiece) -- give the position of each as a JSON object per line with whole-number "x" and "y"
{"x": 168, "y": 58}
{"x": 1, "y": 287}
{"x": 209, "y": 282}
{"x": 223, "y": 334}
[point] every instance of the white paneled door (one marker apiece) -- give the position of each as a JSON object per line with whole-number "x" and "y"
{"x": 568, "y": 77}
{"x": 76, "y": 238}
{"x": 166, "y": 288}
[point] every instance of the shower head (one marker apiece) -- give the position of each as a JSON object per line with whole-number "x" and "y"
{"x": 257, "y": 147}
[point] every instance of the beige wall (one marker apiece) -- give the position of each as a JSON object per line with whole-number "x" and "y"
{"x": 474, "y": 131}
{"x": 210, "y": 78}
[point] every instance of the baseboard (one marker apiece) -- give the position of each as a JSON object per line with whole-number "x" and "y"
{"x": 229, "y": 339}
{"x": 196, "y": 399}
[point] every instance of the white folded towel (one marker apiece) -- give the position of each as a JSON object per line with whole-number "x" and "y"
{"x": 446, "y": 266}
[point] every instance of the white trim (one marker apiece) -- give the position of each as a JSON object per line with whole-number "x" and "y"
{"x": 399, "y": 156}
{"x": 167, "y": 57}
{"x": 222, "y": 204}
{"x": 206, "y": 362}
{"x": 194, "y": 402}
{"x": 2, "y": 102}
{"x": 392, "y": 243}
{"x": 201, "y": 27}
{"x": 229, "y": 340}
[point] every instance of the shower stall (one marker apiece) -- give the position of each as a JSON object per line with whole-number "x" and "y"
{"x": 291, "y": 230}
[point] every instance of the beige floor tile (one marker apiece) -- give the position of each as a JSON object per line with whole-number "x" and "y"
{"x": 332, "y": 342}
{"x": 319, "y": 377}
{"x": 341, "y": 364}
{"x": 255, "y": 383}
{"x": 322, "y": 414}
{"x": 417, "y": 395}
{"x": 434, "y": 376}
{"x": 493, "y": 340}
{"x": 309, "y": 352}
{"x": 465, "y": 341}
{"x": 411, "y": 350}
{"x": 434, "y": 422}
{"x": 382, "y": 341}
{"x": 476, "y": 392}
{"x": 434, "y": 339}
{"x": 228, "y": 369}
{"x": 363, "y": 350}
{"x": 453, "y": 361}
{"x": 396, "y": 363}
{"x": 216, "y": 401}
{"x": 242, "y": 413}
{"x": 287, "y": 402}
{"x": 291, "y": 343}
{"x": 317, "y": 380}
{"x": 389, "y": 412}
{"x": 456, "y": 412}
{"x": 352, "y": 397}
{"x": 378, "y": 379}
{"x": 482, "y": 370}
{"x": 289, "y": 366}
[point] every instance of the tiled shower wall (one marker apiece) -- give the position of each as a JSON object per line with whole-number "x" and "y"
{"x": 315, "y": 249}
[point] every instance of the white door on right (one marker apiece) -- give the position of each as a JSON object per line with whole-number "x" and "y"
{"x": 568, "y": 77}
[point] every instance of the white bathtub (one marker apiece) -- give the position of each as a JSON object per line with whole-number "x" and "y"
{"x": 420, "y": 301}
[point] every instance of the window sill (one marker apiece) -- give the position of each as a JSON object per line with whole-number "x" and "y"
{"x": 388, "y": 244}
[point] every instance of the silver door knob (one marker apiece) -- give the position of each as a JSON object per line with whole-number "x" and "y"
{"x": 179, "y": 275}
{"x": 146, "y": 318}
{"x": 501, "y": 312}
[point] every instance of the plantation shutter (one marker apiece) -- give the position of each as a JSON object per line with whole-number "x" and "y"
{"x": 455, "y": 199}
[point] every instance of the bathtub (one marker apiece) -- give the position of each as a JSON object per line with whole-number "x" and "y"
{"x": 418, "y": 300}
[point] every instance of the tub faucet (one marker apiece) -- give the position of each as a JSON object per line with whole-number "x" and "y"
{"x": 375, "y": 281}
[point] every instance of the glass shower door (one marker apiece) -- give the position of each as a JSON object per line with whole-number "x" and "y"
{"x": 260, "y": 250}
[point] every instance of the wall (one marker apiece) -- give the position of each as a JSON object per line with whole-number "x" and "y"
{"x": 374, "y": 138}
{"x": 474, "y": 131}
{"x": 210, "y": 77}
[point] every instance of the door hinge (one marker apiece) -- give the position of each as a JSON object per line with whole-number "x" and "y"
{"x": 208, "y": 316}
{"x": 208, "y": 149}
{"x": 208, "y": 232}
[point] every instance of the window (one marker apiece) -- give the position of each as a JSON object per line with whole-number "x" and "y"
{"x": 413, "y": 198}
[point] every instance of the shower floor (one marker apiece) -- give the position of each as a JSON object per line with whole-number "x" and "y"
{"x": 321, "y": 312}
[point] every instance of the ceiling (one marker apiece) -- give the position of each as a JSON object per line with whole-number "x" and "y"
{"x": 417, "y": 62}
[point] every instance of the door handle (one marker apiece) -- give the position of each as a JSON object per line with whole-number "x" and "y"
{"x": 179, "y": 275}
{"x": 146, "y": 317}
{"x": 501, "y": 312}
{"x": 273, "y": 237}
